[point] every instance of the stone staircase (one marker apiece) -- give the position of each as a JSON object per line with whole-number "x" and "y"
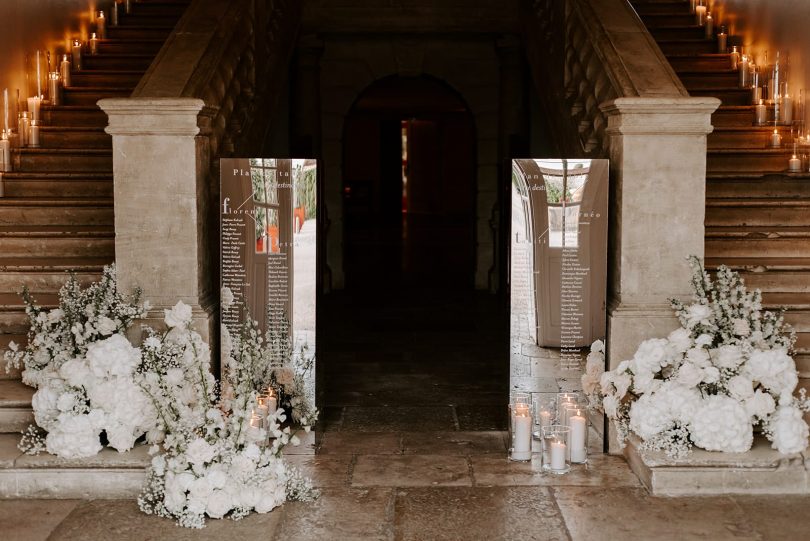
{"x": 57, "y": 213}
{"x": 757, "y": 214}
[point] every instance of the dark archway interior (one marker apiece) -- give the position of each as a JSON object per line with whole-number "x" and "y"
{"x": 409, "y": 344}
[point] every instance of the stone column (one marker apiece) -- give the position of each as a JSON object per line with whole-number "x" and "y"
{"x": 657, "y": 205}
{"x": 163, "y": 193}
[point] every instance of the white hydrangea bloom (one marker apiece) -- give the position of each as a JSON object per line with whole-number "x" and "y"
{"x": 722, "y": 424}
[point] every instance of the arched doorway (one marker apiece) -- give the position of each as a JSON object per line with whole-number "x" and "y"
{"x": 409, "y": 187}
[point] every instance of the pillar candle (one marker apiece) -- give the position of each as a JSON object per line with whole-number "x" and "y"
{"x": 760, "y": 113}
{"x": 700, "y": 15}
{"x": 557, "y": 455}
{"x": 795, "y": 164}
{"x": 521, "y": 433}
{"x": 5, "y": 152}
{"x": 22, "y": 128}
{"x": 756, "y": 90}
{"x": 545, "y": 418}
{"x": 709, "y": 26}
{"x": 54, "y": 88}
{"x": 93, "y": 43}
{"x": 577, "y": 439}
{"x": 77, "y": 54}
{"x": 64, "y": 70}
{"x": 734, "y": 56}
{"x": 787, "y": 109}
{"x": 255, "y": 427}
{"x": 114, "y": 14}
{"x": 34, "y": 103}
{"x": 33, "y": 138}
{"x": 5, "y": 111}
{"x": 101, "y": 25}
{"x": 128, "y": 6}
{"x": 776, "y": 139}
{"x": 722, "y": 44}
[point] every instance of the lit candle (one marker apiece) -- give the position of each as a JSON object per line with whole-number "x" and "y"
{"x": 114, "y": 14}
{"x": 692, "y": 5}
{"x": 54, "y": 88}
{"x": 77, "y": 54}
{"x": 558, "y": 453}
{"x": 272, "y": 401}
{"x": 33, "y": 138}
{"x": 521, "y": 433}
{"x": 577, "y": 438}
{"x": 128, "y": 6}
{"x": 93, "y": 43}
{"x": 735, "y": 61}
{"x": 776, "y": 139}
{"x": 700, "y": 15}
{"x": 255, "y": 430}
{"x": 545, "y": 418}
{"x": 787, "y": 108}
{"x": 709, "y": 26}
{"x": 795, "y": 164}
{"x": 722, "y": 43}
{"x": 64, "y": 70}
{"x": 22, "y": 128}
{"x": 101, "y": 25}
{"x": 760, "y": 113}
{"x": 5, "y": 152}
{"x": 34, "y": 103}
{"x": 756, "y": 90}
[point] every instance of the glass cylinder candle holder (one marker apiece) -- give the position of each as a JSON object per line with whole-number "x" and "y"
{"x": 563, "y": 399}
{"x": 544, "y": 412}
{"x": 520, "y": 427}
{"x": 5, "y": 152}
{"x": 33, "y": 136}
{"x": 256, "y": 427}
{"x": 555, "y": 449}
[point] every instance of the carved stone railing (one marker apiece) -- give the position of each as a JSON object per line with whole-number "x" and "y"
{"x": 211, "y": 92}
{"x": 586, "y": 52}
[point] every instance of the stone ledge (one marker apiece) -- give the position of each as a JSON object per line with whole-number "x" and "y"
{"x": 761, "y": 470}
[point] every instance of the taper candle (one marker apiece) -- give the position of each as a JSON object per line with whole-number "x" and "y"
{"x": 114, "y": 13}
{"x": 5, "y": 110}
{"x": 39, "y": 74}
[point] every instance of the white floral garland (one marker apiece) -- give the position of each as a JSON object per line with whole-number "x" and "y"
{"x": 710, "y": 382}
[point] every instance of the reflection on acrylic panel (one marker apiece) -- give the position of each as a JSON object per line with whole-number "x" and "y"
{"x": 558, "y": 271}
{"x": 268, "y": 245}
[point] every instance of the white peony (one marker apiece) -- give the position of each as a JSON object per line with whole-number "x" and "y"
{"x": 774, "y": 369}
{"x": 645, "y": 382}
{"x": 740, "y": 387}
{"x": 671, "y": 403}
{"x": 651, "y": 355}
{"x": 66, "y": 401}
{"x": 114, "y": 356}
{"x": 711, "y": 374}
{"x": 722, "y": 424}
{"x": 727, "y": 356}
{"x": 284, "y": 376}
{"x": 178, "y": 316}
{"x": 698, "y": 314}
{"x": 788, "y": 430}
{"x": 689, "y": 375}
{"x": 759, "y": 405}
{"x": 219, "y": 503}
{"x": 121, "y": 437}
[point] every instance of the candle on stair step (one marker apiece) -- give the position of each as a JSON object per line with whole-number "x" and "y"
{"x": 776, "y": 139}
{"x": 64, "y": 70}
{"x": 709, "y": 26}
{"x": 33, "y": 138}
{"x": 54, "y": 88}
{"x": 77, "y": 54}
{"x": 101, "y": 25}
{"x": 5, "y": 152}
{"x": 700, "y": 15}
{"x": 722, "y": 43}
{"x": 760, "y": 113}
{"x": 128, "y": 6}
{"x": 23, "y": 127}
{"x": 93, "y": 43}
{"x": 734, "y": 56}
{"x": 114, "y": 14}
{"x": 795, "y": 164}
{"x": 34, "y": 103}
{"x": 756, "y": 90}
{"x": 5, "y": 111}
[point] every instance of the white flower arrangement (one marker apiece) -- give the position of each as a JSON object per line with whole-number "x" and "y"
{"x": 726, "y": 371}
{"x": 82, "y": 367}
{"x": 211, "y": 461}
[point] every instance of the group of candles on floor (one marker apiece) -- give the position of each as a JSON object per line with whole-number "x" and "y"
{"x": 266, "y": 407}
{"x": 770, "y": 95}
{"x": 45, "y": 80}
{"x": 560, "y": 425}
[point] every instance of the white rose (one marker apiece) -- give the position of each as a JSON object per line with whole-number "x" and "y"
{"x": 66, "y": 402}
{"x": 645, "y": 382}
{"x": 199, "y": 452}
{"x": 704, "y": 340}
{"x": 217, "y": 476}
{"x": 698, "y": 314}
{"x": 727, "y": 356}
{"x": 774, "y": 369}
{"x": 622, "y": 383}
{"x": 219, "y": 503}
{"x": 159, "y": 465}
{"x": 759, "y": 405}
{"x": 284, "y": 376}
{"x": 174, "y": 499}
{"x": 651, "y": 355}
{"x": 55, "y": 315}
{"x": 680, "y": 339}
{"x": 121, "y": 437}
{"x": 741, "y": 327}
{"x": 740, "y": 387}
{"x": 711, "y": 374}
{"x": 689, "y": 375}
{"x": 74, "y": 436}
{"x": 76, "y": 373}
{"x": 178, "y": 316}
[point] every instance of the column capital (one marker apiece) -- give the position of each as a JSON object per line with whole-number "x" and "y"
{"x": 153, "y": 116}
{"x": 660, "y": 116}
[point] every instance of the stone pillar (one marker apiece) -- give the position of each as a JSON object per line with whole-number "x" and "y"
{"x": 163, "y": 193}
{"x": 657, "y": 205}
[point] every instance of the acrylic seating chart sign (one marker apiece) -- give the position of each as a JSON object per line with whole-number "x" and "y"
{"x": 558, "y": 270}
{"x": 268, "y": 211}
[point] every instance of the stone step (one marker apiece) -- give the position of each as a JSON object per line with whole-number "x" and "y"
{"x": 44, "y": 241}
{"x": 744, "y": 137}
{"x": 15, "y": 406}
{"x": 700, "y": 62}
{"x": 74, "y": 137}
{"x": 130, "y": 46}
{"x": 698, "y": 45}
{"x": 733, "y": 115}
{"x": 696, "y": 80}
{"x": 739, "y": 184}
{"x": 74, "y": 116}
{"x": 731, "y": 95}
{"x": 760, "y": 264}
{"x": 139, "y": 31}
{"x": 757, "y": 212}
{"x": 108, "y": 475}
{"x": 761, "y": 160}
{"x": 159, "y": 18}
{"x": 105, "y": 78}
{"x": 18, "y": 185}
{"x": 90, "y": 95}
{"x": 55, "y": 211}
{"x": 668, "y": 6}
{"x": 680, "y": 32}
{"x": 110, "y": 61}
{"x": 778, "y": 282}
{"x": 46, "y": 281}
{"x": 151, "y": 7}
{"x": 62, "y": 160}
{"x": 725, "y": 242}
